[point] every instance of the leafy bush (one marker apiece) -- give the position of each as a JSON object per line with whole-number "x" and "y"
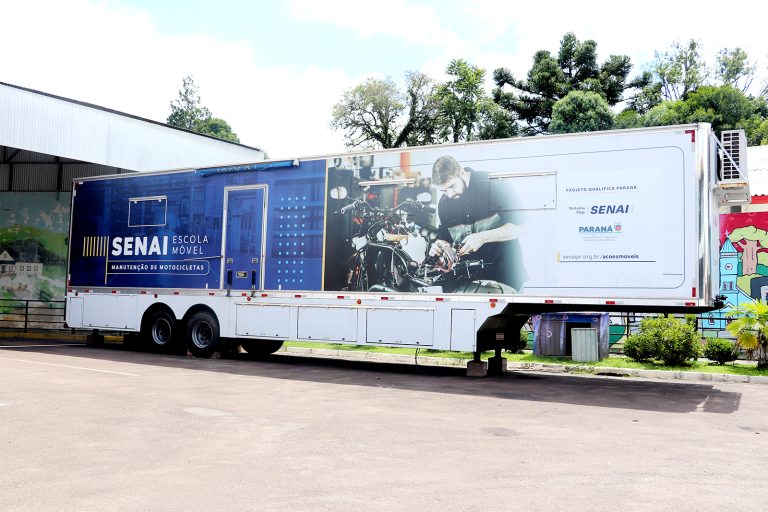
{"x": 679, "y": 343}
{"x": 720, "y": 350}
{"x": 751, "y": 329}
{"x": 665, "y": 338}
{"x": 522, "y": 342}
{"x": 523, "y": 338}
{"x": 641, "y": 347}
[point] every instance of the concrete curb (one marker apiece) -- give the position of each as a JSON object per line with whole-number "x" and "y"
{"x": 604, "y": 371}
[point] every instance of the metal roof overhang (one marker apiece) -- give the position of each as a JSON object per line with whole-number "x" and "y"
{"x": 70, "y": 131}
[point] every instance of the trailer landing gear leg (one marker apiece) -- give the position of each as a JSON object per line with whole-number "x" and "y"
{"x": 497, "y": 365}
{"x": 94, "y": 339}
{"x": 476, "y": 367}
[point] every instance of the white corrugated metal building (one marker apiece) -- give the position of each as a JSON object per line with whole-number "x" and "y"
{"x": 47, "y": 140}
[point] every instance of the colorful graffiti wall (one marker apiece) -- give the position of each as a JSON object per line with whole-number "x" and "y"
{"x": 743, "y": 263}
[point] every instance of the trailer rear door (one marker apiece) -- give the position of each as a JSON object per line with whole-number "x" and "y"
{"x": 245, "y": 214}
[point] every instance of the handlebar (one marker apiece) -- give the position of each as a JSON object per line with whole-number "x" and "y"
{"x": 362, "y": 204}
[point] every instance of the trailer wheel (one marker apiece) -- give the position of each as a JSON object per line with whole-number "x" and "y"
{"x": 203, "y": 334}
{"x": 160, "y": 330}
{"x": 261, "y": 347}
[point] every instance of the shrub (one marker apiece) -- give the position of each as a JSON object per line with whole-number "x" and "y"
{"x": 641, "y": 347}
{"x": 679, "y": 343}
{"x": 523, "y": 338}
{"x": 668, "y": 339}
{"x": 720, "y": 350}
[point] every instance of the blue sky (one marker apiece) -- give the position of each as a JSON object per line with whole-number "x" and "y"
{"x": 274, "y": 70}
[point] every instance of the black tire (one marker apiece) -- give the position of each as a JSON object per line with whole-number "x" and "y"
{"x": 203, "y": 334}
{"x": 261, "y": 347}
{"x": 160, "y": 331}
{"x": 485, "y": 286}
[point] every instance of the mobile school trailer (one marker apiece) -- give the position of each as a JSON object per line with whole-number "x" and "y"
{"x": 449, "y": 247}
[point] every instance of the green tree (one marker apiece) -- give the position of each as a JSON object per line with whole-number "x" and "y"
{"x": 680, "y": 69}
{"x": 759, "y": 132}
{"x": 628, "y": 118}
{"x": 552, "y": 77}
{"x": 724, "y": 107}
{"x": 377, "y": 114}
{"x": 733, "y": 68}
{"x": 465, "y": 112}
{"x": 647, "y": 93}
{"x": 218, "y": 128}
{"x": 495, "y": 122}
{"x": 750, "y": 326}
{"x": 457, "y": 100}
{"x": 581, "y": 111}
{"x": 188, "y": 112}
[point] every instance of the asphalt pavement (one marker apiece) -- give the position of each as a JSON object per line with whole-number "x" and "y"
{"x": 87, "y": 429}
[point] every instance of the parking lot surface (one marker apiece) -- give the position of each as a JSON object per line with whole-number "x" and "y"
{"x": 86, "y": 429}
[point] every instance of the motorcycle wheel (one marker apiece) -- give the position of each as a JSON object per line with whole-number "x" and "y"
{"x": 486, "y": 287}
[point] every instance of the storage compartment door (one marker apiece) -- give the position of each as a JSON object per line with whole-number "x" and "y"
{"x": 116, "y": 311}
{"x": 327, "y": 323}
{"x": 400, "y": 326}
{"x": 263, "y": 321}
{"x": 75, "y": 312}
{"x": 463, "y": 332}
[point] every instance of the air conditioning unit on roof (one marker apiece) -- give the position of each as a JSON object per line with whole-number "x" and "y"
{"x": 732, "y": 175}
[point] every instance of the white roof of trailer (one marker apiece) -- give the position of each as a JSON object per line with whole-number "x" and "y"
{"x": 40, "y": 122}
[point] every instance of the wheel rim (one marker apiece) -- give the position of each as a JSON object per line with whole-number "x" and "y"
{"x": 161, "y": 331}
{"x": 202, "y": 334}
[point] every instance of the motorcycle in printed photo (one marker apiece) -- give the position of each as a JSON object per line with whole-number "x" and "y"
{"x": 391, "y": 254}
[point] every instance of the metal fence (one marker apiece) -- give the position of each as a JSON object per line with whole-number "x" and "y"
{"x": 24, "y": 315}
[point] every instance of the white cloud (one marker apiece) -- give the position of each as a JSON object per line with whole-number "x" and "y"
{"x": 398, "y": 18}
{"x": 115, "y": 57}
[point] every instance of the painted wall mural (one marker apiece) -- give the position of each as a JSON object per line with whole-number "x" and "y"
{"x": 34, "y": 227}
{"x": 743, "y": 263}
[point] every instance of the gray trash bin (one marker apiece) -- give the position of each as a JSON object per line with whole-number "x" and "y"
{"x": 584, "y": 343}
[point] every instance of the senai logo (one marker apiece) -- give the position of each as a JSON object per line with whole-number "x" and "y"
{"x": 604, "y": 209}
{"x": 610, "y": 228}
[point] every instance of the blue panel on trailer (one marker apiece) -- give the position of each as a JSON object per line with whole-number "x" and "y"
{"x": 243, "y": 248}
{"x": 166, "y": 230}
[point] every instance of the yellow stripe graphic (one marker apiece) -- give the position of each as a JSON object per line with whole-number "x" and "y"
{"x": 95, "y": 246}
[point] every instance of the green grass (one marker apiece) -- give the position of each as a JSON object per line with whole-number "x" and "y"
{"x": 614, "y": 361}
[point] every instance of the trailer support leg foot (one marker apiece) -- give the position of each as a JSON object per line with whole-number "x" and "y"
{"x": 497, "y": 365}
{"x": 476, "y": 367}
{"x": 94, "y": 339}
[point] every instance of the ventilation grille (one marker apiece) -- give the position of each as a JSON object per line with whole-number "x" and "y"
{"x": 733, "y": 162}
{"x": 733, "y": 182}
